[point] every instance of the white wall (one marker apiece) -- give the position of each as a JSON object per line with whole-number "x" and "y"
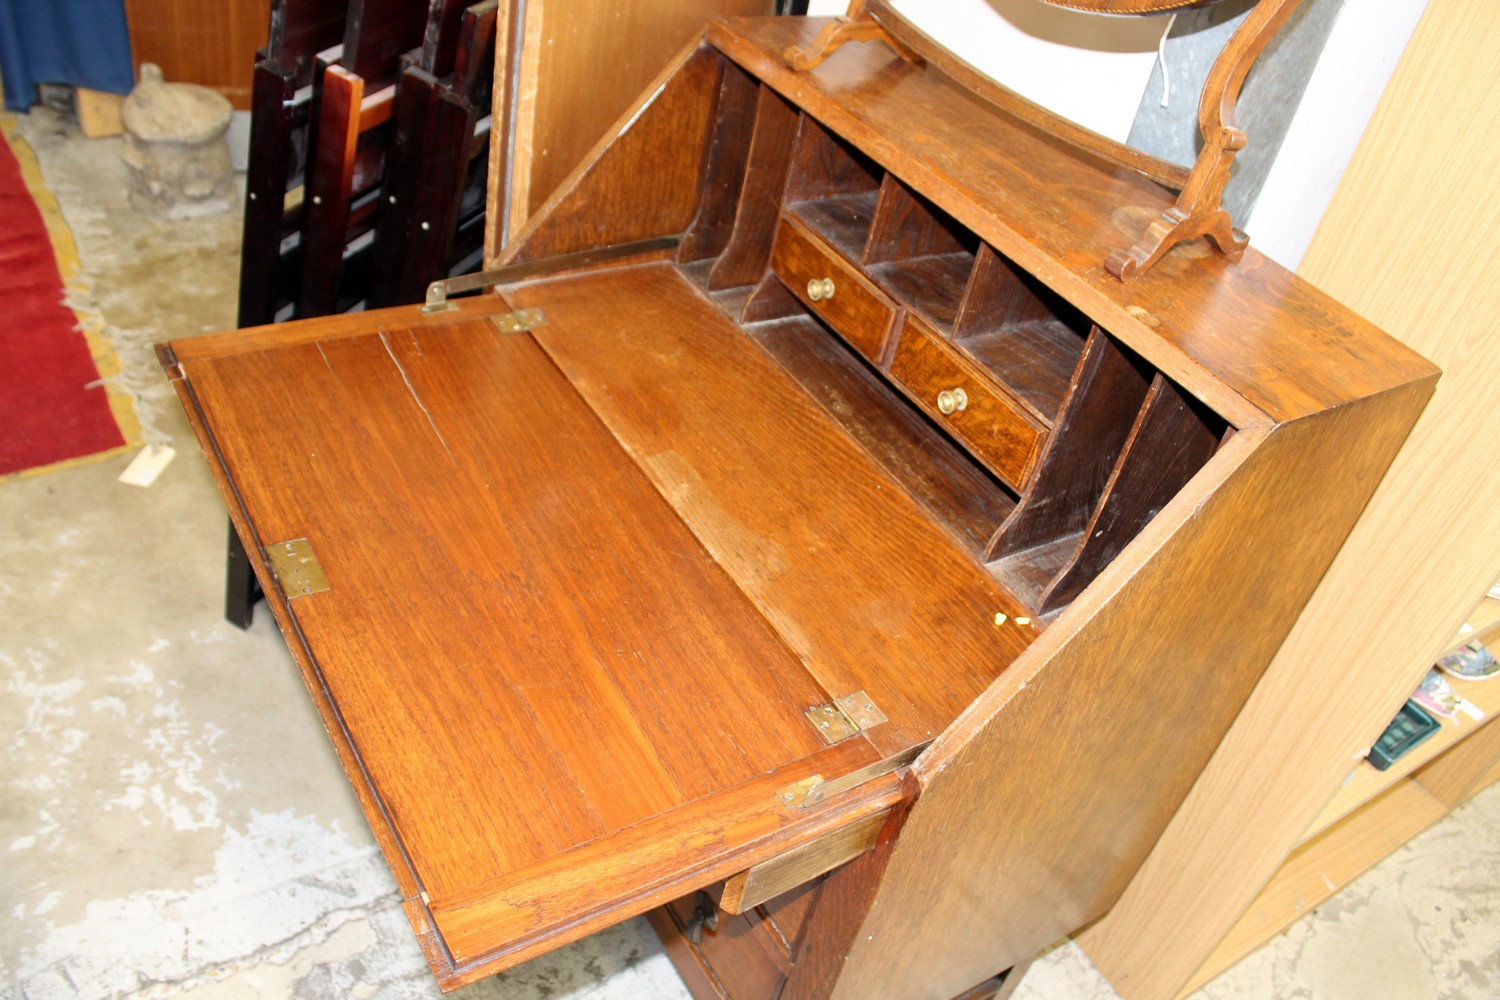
{"x": 1089, "y": 67}
{"x": 1367, "y": 40}
{"x": 1093, "y": 69}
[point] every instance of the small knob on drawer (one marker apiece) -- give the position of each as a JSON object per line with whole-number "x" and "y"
{"x": 950, "y": 401}
{"x": 819, "y": 289}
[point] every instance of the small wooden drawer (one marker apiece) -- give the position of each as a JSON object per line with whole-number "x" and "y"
{"x": 995, "y": 427}
{"x": 829, "y": 286}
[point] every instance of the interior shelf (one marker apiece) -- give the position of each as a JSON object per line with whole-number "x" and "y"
{"x": 1036, "y": 357}
{"x": 844, "y": 220}
{"x": 1064, "y": 443}
{"x": 1366, "y": 782}
{"x": 932, "y": 285}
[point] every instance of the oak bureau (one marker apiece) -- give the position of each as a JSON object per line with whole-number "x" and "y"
{"x": 807, "y": 541}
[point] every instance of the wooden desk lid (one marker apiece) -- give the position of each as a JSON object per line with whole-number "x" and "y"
{"x": 558, "y": 702}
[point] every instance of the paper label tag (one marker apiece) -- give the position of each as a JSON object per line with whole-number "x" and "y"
{"x": 145, "y": 467}
{"x": 1470, "y": 709}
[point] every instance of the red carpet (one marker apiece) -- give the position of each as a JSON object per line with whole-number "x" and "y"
{"x": 47, "y": 413}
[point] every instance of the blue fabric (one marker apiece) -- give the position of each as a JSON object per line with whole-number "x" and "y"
{"x": 80, "y": 42}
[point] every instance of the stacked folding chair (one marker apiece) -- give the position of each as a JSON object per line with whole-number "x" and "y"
{"x": 433, "y": 199}
{"x": 282, "y": 122}
{"x": 367, "y": 117}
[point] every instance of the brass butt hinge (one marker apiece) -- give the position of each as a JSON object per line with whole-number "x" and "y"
{"x": 814, "y": 791}
{"x": 843, "y": 717}
{"x": 296, "y": 567}
{"x": 519, "y": 321}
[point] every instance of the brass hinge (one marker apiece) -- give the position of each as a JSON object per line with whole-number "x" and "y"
{"x": 519, "y": 321}
{"x": 843, "y": 717}
{"x": 814, "y": 791}
{"x": 296, "y": 567}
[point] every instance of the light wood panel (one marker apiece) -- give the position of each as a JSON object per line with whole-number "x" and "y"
{"x": 1398, "y": 243}
{"x": 582, "y": 62}
{"x": 1355, "y": 843}
{"x": 208, "y": 42}
{"x": 1365, "y": 782}
{"x": 1316, "y": 871}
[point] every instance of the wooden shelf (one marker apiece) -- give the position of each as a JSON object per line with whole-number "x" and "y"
{"x": 1365, "y": 782}
{"x": 1482, "y": 623}
{"x": 1374, "y": 813}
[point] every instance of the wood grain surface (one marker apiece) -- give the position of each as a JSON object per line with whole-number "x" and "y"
{"x": 207, "y": 42}
{"x": 641, "y": 181}
{"x": 858, "y": 310}
{"x": 587, "y": 579}
{"x": 743, "y": 260}
{"x": 936, "y": 472}
{"x": 795, "y": 512}
{"x": 994, "y": 426}
{"x": 1167, "y": 446}
{"x": 517, "y": 723}
{"x": 724, "y": 173}
{"x": 1126, "y": 673}
{"x": 1103, "y": 399}
{"x": 582, "y": 63}
{"x": 905, "y": 227}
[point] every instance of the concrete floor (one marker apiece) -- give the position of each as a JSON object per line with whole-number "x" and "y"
{"x": 175, "y": 823}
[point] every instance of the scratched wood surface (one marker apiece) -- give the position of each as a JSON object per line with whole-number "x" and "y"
{"x": 514, "y": 680}
{"x": 867, "y": 590}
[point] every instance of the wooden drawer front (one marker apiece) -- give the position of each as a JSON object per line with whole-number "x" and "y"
{"x": 857, "y": 311}
{"x": 993, "y": 425}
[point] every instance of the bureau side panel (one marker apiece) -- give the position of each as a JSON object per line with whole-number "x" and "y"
{"x": 1040, "y": 802}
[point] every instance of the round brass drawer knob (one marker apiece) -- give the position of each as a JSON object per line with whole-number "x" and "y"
{"x": 819, "y": 289}
{"x": 950, "y": 401}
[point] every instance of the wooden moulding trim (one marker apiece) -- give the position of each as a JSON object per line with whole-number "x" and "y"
{"x": 520, "y": 235}
{"x": 583, "y": 899}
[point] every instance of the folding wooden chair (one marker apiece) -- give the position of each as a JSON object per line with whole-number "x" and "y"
{"x": 355, "y": 101}
{"x": 433, "y": 198}
{"x": 280, "y": 135}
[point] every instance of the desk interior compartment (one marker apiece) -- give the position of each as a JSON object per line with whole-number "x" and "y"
{"x": 833, "y": 188}
{"x": 1125, "y": 441}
